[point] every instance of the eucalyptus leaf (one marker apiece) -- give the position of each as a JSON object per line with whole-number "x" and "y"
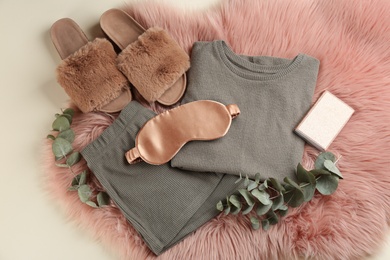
{"x": 83, "y": 178}
{"x": 220, "y": 206}
{"x": 84, "y": 192}
{"x": 248, "y": 209}
{"x": 247, "y": 196}
{"x": 73, "y": 188}
{"x": 265, "y": 224}
{"x": 262, "y": 187}
{"x": 294, "y": 197}
{"x": 69, "y": 117}
{"x": 330, "y": 166}
{"x": 308, "y": 190}
{"x": 262, "y": 196}
{"x": 278, "y": 202}
{"x": 304, "y": 176}
{"x": 262, "y": 209}
{"x": 327, "y": 184}
{"x": 235, "y": 201}
{"x": 61, "y": 124}
{"x": 319, "y": 172}
{"x": 246, "y": 181}
{"x": 73, "y": 159}
{"x": 51, "y": 137}
{"x": 255, "y": 223}
{"x": 67, "y": 135}
{"x": 227, "y": 210}
{"x": 265, "y": 183}
{"x": 235, "y": 210}
{"x": 69, "y": 111}
{"x": 292, "y": 183}
{"x": 61, "y": 148}
{"x": 103, "y": 199}
{"x": 91, "y": 203}
{"x": 61, "y": 165}
{"x": 319, "y": 163}
{"x": 252, "y": 185}
{"x": 257, "y": 178}
{"x": 76, "y": 180}
{"x": 276, "y": 185}
{"x": 57, "y": 115}
{"x": 283, "y": 211}
{"x": 272, "y": 217}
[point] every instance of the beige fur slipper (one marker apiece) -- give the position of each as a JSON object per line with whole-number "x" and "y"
{"x": 151, "y": 60}
{"x": 88, "y": 71}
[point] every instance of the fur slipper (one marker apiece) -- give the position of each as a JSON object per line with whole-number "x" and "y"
{"x": 152, "y": 61}
{"x": 88, "y": 72}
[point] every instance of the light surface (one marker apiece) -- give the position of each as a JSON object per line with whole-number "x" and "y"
{"x": 32, "y": 226}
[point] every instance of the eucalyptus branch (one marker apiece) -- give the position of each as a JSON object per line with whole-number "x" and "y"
{"x": 256, "y": 196}
{"x": 63, "y": 151}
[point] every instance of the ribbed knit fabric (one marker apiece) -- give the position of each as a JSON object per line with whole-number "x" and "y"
{"x": 273, "y": 95}
{"x": 164, "y": 204}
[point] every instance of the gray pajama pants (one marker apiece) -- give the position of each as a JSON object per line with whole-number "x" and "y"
{"x": 164, "y": 204}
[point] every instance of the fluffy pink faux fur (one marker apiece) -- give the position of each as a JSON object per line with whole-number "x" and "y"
{"x": 351, "y": 40}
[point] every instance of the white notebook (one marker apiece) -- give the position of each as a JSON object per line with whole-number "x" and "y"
{"x": 324, "y": 121}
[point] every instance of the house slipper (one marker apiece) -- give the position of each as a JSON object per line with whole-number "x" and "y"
{"x": 152, "y": 61}
{"x": 88, "y": 71}
{"x": 161, "y": 138}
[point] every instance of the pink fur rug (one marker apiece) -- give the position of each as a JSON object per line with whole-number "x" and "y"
{"x": 352, "y": 41}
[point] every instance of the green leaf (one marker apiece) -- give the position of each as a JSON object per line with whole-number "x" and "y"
{"x": 276, "y": 185}
{"x": 292, "y": 183}
{"x": 257, "y": 178}
{"x": 265, "y": 183}
{"x": 61, "y": 124}
{"x": 51, "y": 137}
{"x": 262, "y": 187}
{"x": 330, "y": 166}
{"x": 69, "y": 117}
{"x": 278, "y": 202}
{"x": 235, "y": 210}
{"x": 255, "y": 223}
{"x": 61, "y": 165}
{"x": 61, "y": 148}
{"x": 235, "y": 201}
{"x": 262, "y": 209}
{"x": 73, "y": 188}
{"x": 248, "y": 209}
{"x": 67, "y": 135}
{"x": 308, "y": 191}
{"x": 305, "y": 176}
{"x": 91, "y": 203}
{"x": 57, "y": 115}
{"x": 73, "y": 159}
{"x": 83, "y": 178}
{"x": 103, "y": 199}
{"x": 247, "y": 196}
{"x": 220, "y": 206}
{"x": 76, "y": 180}
{"x": 319, "y": 163}
{"x": 246, "y": 182}
{"x": 84, "y": 193}
{"x": 319, "y": 172}
{"x": 272, "y": 217}
{"x": 327, "y": 184}
{"x": 265, "y": 224}
{"x": 227, "y": 210}
{"x": 262, "y": 196}
{"x": 69, "y": 111}
{"x": 283, "y": 211}
{"x": 294, "y": 197}
{"x": 252, "y": 185}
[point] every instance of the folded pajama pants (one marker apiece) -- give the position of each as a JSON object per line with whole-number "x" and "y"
{"x": 164, "y": 204}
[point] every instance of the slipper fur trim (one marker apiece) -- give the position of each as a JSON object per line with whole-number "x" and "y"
{"x": 90, "y": 76}
{"x": 153, "y": 63}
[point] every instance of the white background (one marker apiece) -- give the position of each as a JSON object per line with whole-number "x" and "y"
{"x": 32, "y": 226}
